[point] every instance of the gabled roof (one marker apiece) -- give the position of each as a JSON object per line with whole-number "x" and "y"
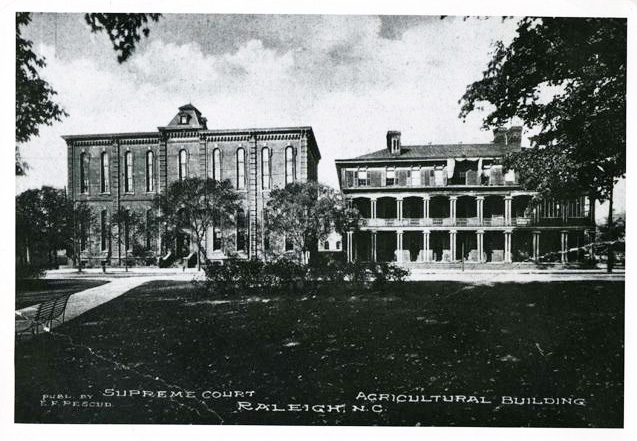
{"x": 440, "y": 151}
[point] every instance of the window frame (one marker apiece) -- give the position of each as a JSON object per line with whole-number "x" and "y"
{"x": 240, "y": 157}
{"x": 266, "y": 168}
{"x": 150, "y": 171}
{"x": 128, "y": 172}
{"x": 183, "y": 164}
{"x": 105, "y": 171}
{"x": 290, "y": 165}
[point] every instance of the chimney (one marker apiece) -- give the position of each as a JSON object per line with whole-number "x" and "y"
{"x": 514, "y": 135}
{"x": 393, "y": 142}
{"x": 510, "y": 136}
{"x": 500, "y": 135}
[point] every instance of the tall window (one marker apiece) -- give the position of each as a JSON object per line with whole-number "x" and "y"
{"x": 289, "y": 165}
{"x": 391, "y": 177}
{"x": 128, "y": 172}
{"x": 83, "y": 173}
{"x": 183, "y": 165}
{"x": 83, "y": 234}
{"x": 241, "y": 168}
{"x": 127, "y": 241}
{"x": 149, "y": 228}
{"x": 150, "y": 171}
{"x": 105, "y": 172}
{"x": 241, "y": 230}
{"x": 362, "y": 178}
{"x": 216, "y": 165}
{"x": 104, "y": 229}
{"x": 265, "y": 168}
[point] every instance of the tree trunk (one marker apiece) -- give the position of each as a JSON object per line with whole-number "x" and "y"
{"x": 611, "y": 254}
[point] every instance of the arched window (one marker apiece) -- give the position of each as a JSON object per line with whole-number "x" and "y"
{"x": 104, "y": 230}
{"x": 183, "y": 165}
{"x": 265, "y": 168}
{"x": 241, "y": 168}
{"x": 128, "y": 172}
{"x": 128, "y": 244}
{"x": 289, "y": 165}
{"x": 104, "y": 175}
{"x": 150, "y": 171}
{"x": 83, "y": 173}
{"x": 216, "y": 165}
{"x": 241, "y": 230}
{"x": 149, "y": 228}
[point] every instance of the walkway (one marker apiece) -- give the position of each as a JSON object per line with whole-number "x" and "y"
{"x": 88, "y": 299}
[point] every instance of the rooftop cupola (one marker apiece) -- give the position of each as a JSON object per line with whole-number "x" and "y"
{"x": 393, "y": 142}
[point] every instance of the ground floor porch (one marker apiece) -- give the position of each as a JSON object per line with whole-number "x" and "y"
{"x": 472, "y": 246}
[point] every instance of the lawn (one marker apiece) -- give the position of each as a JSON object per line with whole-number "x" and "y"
{"x": 33, "y": 291}
{"x": 559, "y": 340}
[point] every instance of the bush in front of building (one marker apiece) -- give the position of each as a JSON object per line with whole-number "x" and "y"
{"x": 285, "y": 276}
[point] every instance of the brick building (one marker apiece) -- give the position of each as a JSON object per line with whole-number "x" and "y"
{"x": 127, "y": 170}
{"x": 427, "y": 203}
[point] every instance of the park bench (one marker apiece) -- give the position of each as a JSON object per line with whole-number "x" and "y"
{"x": 47, "y": 312}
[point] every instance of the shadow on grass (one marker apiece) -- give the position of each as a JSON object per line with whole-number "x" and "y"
{"x": 425, "y": 339}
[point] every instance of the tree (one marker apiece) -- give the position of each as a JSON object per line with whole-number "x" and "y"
{"x": 84, "y": 221}
{"x": 34, "y": 96}
{"x": 44, "y": 224}
{"x": 306, "y": 213}
{"x": 129, "y": 228}
{"x": 566, "y": 79}
{"x": 191, "y": 206}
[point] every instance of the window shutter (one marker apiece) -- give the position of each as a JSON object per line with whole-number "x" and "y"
{"x": 401, "y": 176}
{"x": 350, "y": 178}
{"x": 375, "y": 178}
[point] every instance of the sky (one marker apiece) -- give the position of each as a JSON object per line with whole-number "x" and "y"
{"x": 351, "y": 77}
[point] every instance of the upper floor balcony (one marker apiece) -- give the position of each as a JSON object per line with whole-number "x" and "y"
{"x": 471, "y": 211}
{"x": 426, "y": 177}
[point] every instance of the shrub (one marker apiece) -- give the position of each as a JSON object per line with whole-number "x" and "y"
{"x": 28, "y": 272}
{"x": 251, "y": 277}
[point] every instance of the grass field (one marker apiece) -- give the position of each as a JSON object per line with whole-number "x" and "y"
{"x": 555, "y": 340}
{"x": 33, "y": 291}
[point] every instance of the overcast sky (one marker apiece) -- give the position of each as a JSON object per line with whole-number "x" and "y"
{"x": 351, "y": 78}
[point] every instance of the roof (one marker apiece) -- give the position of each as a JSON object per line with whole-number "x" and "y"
{"x": 440, "y": 151}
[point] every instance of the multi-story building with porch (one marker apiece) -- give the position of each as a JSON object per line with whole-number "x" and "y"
{"x": 452, "y": 202}
{"x": 126, "y": 171}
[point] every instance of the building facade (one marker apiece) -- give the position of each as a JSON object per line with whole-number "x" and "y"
{"x": 446, "y": 203}
{"x": 115, "y": 171}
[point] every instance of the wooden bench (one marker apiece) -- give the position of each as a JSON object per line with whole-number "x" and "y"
{"x": 47, "y": 312}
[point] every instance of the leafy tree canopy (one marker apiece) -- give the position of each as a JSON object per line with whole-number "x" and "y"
{"x": 34, "y": 96}
{"x": 307, "y": 213}
{"x": 44, "y": 220}
{"x": 565, "y": 78}
{"x": 193, "y": 205}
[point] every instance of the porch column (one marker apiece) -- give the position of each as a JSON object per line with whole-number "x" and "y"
{"x": 480, "y": 208}
{"x": 452, "y": 244}
{"x": 536, "y": 246}
{"x": 373, "y": 208}
{"x": 564, "y": 251}
{"x": 425, "y": 207}
{"x": 425, "y": 245}
{"x": 452, "y": 208}
{"x": 480, "y": 240}
{"x": 373, "y": 246}
{"x": 399, "y": 240}
{"x": 507, "y": 246}
{"x": 399, "y": 208}
{"x": 350, "y": 238}
{"x": 507, "y": 210}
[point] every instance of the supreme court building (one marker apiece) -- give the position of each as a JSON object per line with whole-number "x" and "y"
{"x": 127, "y": 170}
{"x": 429, "y": 203}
